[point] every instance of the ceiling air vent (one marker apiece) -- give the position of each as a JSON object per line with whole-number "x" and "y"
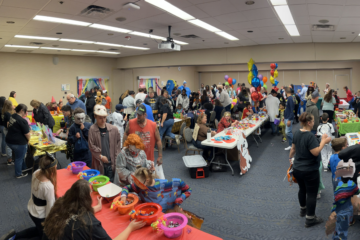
{"x": 95, "y": 12}
{"x": 36, "y": 43}
{"x": 23, "y": 51}
{"x": 190, "y": 36}
{"x": 323, "y": 27}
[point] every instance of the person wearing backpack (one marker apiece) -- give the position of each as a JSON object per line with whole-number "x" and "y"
{"x": 78, "y": 136}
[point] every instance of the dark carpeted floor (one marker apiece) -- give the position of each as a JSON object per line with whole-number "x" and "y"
{"x": 258, "y": 205}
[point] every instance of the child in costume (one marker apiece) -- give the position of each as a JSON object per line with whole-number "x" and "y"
{"x": 118, "y": 120}
{"x": 337, "y": 144}
{"x": 325, "y": 127}
{"x": 100, "y": 99}
{"x": 345, "y": 189}
{"x": 282, "y": 123}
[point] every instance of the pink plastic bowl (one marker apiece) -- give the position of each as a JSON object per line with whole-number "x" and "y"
{"x": 175, "y": 218}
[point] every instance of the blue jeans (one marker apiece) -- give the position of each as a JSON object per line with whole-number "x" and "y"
{"x": 167, "y": 127}
{"x": 20, "y": 151}
{"x": 274, "y": 128}
{"x": 3, "y": 143}
{"x": 303, "y": 107}
{"x": 343, "y": 219}
{"x": 288, "y": 131}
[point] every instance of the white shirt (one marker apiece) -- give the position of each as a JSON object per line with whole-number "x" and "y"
{"x": 272, "y": 106}
{"x": 44, "y": 191}
{"x": 327, "y": 128}
{"x": 118, "y": 122}
{"x": 224, "y": 98}
{"x": 141, "y": 96}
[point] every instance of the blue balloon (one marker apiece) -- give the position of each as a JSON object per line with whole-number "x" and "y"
{"x": 262, "y": 83}
{"x": 255, "y": 82}
{"x": 276, "y": 82}
{"x": 276, "y": 66}
{"x": 234, "y": 81}
{"x": 254, "y": 70}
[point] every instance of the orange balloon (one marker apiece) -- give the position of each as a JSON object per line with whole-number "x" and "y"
{"x": 264, "y": 79}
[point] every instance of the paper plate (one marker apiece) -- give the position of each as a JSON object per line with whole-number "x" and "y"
{"x": 109, "y": 190}
{"x": 230, "y": 141}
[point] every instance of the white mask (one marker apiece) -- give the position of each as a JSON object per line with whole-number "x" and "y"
{"x": 79, "y": 118}
{"x": 133, "y": 150}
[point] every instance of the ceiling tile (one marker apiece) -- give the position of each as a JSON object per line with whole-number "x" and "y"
{"x": 349, "y": 21}
{"x": 263, "y": 40}
{"x": 85, "y": 1}
{"x": 267, "y": 22}
{"x": 247, "y": 42}
{"x": 257, "y": 33}
{"x": 241, "y": 6}
{"x": 231, "y": 18}
{"x": 330, "y": 2}
{"x": 305, "y": 30}
{"x": 322, "y": 33}
{"x": 291, "y": 2}
{"x": 349, "y": 28}
{"x": 19, "y": 22}
{"x": 272, "y": 29}
{"x": 215, "y": 23}
{"x": 6, "y": 34}
{"x": 299, "y": 10}
{"x": 66, "y": 30}
{"x": 201, "y": 1}
{"x": 10, "y": 28}
{"x": 33, "y": 31}
{"x": 262, "y": 13}
{"x": 89, "y": 32}
{"x": 351, "y": 11}
{"x": 217, "y": 8}
{"x": 352, "y": 2}
{"x": 196, "y": 12}
{"x": 301, "y": 39}
{"x": 68, "y": 7}
{"x": 325, "y": 10}
{"x": 241, "y": 25}
{"x": 301, "y": 20}
{"x": 181, "y": 4}
{"x": 17, "y": 12}
{"x": 67, "y": 16}
{"x": 347, "y": 38}
{"x": 322, "y": 38}
{"x": 33, "y": 4}
{"x": 117, "y": 5}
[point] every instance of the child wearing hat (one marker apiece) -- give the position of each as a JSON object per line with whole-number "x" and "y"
{"x": 118, "y": 119}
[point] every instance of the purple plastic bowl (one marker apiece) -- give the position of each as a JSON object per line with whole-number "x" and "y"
{"x": 175, "y": 218}
{"x": 78, "y": 167}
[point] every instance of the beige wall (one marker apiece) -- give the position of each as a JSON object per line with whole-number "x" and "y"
{"x": 34, "y": 76}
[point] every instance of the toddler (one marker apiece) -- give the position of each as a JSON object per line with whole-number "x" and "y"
{"x": 328, "y": 128}
{"x": 282, "y": 124}
{"x": 337, "y": 144}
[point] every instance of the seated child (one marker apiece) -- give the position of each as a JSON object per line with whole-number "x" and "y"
{"x": 282, "y": 123}
{"x": 196, "y": 104}
{"x": 345, "y": 189}
{"x": 179, "y": 109}
{"x": 337, "y": 144}
{"x": 247, "y": 110}
{"x": 325, "y": 127}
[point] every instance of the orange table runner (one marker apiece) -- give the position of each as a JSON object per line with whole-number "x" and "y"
{"x": 114, "y": 223}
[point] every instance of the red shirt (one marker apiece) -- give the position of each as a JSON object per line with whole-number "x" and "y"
{"x": 349, "y": 95}
{"x": 147, "y": 135}
{"x": 244, "y": 113}
{"x": 224, "y": 124}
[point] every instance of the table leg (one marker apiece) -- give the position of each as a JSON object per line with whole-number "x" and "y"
{"x": 255, "y": 140}
{"x": 232, "y": 171}
{"x": 213, "y": 156}
{"x": 259, "y": 138}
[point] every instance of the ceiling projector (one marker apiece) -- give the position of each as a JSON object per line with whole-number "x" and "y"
{"x": 169, "y": 44}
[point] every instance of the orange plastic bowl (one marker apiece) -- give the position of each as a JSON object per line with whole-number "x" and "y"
{"x": 148, "y": 208}
{"x": 127, "y": 208}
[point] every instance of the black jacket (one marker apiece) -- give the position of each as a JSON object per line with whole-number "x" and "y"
{"x": 42, "y": 115}
{"x": 90, "y": 104}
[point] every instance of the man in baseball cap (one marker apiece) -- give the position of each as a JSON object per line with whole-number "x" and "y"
{"x": 148, "y": 109}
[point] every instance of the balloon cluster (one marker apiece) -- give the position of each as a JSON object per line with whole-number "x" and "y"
{"x": 256, "y": 80}
{"x": 274, "y": 74}
{"x": 229, "y": 81}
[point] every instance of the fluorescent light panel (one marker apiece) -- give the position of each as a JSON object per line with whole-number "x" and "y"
{"x": 75, "y": 40}
{"x": 278, "y": 2}
{"x": 180, "y": 42}
{"x": 204, "y": 25}
{"x": 285, "y": 15}
{"x": 168, "y": 7}
{"x": 36, "y": 37}
{"x": 110, "y": 28}
{"x": 20, "y": 46}
{"x": 108, "y": 52}
{"x": 60, "y": 20}
{"x": 140, "y": 48}
{"x": 292, "y": 30}
{"x": 61, "y": 49}
{"x": 109, "y": 44}
{"x": 82, "y": 50}
{"x": 226, "y": 35}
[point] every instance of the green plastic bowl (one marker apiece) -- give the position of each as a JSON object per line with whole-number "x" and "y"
{"x": 103, "y": 180}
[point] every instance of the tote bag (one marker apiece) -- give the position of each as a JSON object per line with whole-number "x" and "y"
{"x": 81, "y": 144}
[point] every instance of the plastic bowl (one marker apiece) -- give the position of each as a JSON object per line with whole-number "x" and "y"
{"x": 148, "y": 208}
{"x": 126, "y": 209}
{"x": 102, "y": 181}
{"x": 175, "y": 218}
{"x": 90, "y": 173}
{"x": 78, "y": 167}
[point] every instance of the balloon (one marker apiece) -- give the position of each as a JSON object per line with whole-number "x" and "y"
{"x": 258, "y": 88}
{"x": 229, "y": 81}
{"x": 226, "y": 77}
{"x": 260, "y": 77}
{"x": 272, "y": 72}
{"x": 264, "y": 79}
{"x": 255, "y": 96}
{"x": 233, "y": 81}
{"x": 276, "y": 66}
{"x": 250, "y": 77}
{"x": 272, "y": 66}
{"x": 255, "y": 82}
{"x": 276, "y": 74}
{"x": 276, "y": 82}
{"x": 262, "y": 83}
{"x": 264, "y": 86}
{"x": 252, "y": 89}
{"x": 226, "y": 84}
{"x": 254, "y": 70}
{"x": 250, "y": 64}
{"x": 272, "y": 80}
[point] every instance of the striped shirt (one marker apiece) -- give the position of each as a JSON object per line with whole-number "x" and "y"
{"x": 343, "y": 194}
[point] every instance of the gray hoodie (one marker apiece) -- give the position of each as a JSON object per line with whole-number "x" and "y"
{"x": 312, "y": 108}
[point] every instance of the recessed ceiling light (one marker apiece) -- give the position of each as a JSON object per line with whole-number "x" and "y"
{"x": 110, "y": 28}
{"x": 110, "y": 34}
{"x": 204, "y": 25}
{"x": 140, "y": 48}
{"x": 323, "y": 21}
{"x": 75, "y": 40}
{"x": 10, "y": 22}
{"x": 82, "y": 50}
{"x": 108, "y": 52}
{"x": 250, "y": 31}
{"x": 120, "y": 19}
{"x": 36, "y": 37}
{"x": 61, "y": 49}
{"x": 281, "y": 38}
{"x": 60, "y": 20}
{"x": 59, "y": 33}
{"x": 343, "y": 38}
{"x": 168, "y": 7}
{"x": 20, "y": 46}
{"x": 249, "y": 2}
{"x": 226, "y": 35}
{"x": 109, "y": 44}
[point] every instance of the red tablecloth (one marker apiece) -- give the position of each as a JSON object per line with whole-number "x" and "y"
{"x": 114, "y": 223}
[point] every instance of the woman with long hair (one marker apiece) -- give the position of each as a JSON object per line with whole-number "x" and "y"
{"x": 12, "y": 98}
{"x": 209, "y": 92}
{"x": 226, "y": 122}
{"x": 6, "y": 109}
{"x": 309, "y": 92}
{"x": 72, "y": 217}
{"x": 42, "y": 114}
{"x": 306, "y": 167}
{"x": 329, "y": 103}
{"x": 18, "y": 138}
{"x": 204, "y": 98}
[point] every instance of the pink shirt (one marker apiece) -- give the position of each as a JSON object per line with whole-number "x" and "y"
{"x": 349, "y": 95}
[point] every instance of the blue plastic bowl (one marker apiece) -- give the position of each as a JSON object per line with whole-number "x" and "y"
{"x": 90, "y": 173}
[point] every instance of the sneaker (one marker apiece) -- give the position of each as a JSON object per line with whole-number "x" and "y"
{"x": 3, "y": 155}
{"x": 302, "y": 212}
{"x": 9, "y": 236}
{"x": 288, "y": 148}
{"x": 283, "y": 140}
{"x": 325, "y": 170}
{"x": 318, "y": 196}
{"x": 312, "y": 222}
{"x": 22, "y": 175}
{"x": 9, "y": 163}
{"x": 177, "y": 139}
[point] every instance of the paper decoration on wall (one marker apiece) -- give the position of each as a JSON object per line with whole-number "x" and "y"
{"x": 150, "y": 81}
{"x": 245, "y": 158}
{"x": 87, "y": 83}
{"x": 65, "y": 87}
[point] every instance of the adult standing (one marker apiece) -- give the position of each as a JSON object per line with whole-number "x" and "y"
{"x": 124, "y": 95}
{"x": 18, "y": 137}
{"x": 204, "y": 98}
{"x": 2, "y": 126}
{"x": 209, "y": 92}
{"x": 218, "y": 109}
{"x": 183, "y": 99}
{"x": 12, "y": 99}
{"x": 329, "y": 103}
{"x": 6, "y": 112}
{"x": 108, "y": 104}
{"x": 224, "y": 98}
{"x": 90, "y": 104}
{"x": 188, "y": 91}
{"x": 104, "y": 143}
{"x": 272, "y": 107}
{"x": 306, "y": 167}
{"x": 74, "y": 102}
{"x": 202, "y": 88}
{"x": 167, "y": 122}
{"x": 153, "y": 102}
{"x": 129, "y": 103}
{"x": 289, "y": 116}
{"x": 140, "y": 95}
{"x": 327, "y": 88}
{"x": 42, "y": 114}
{"x": 349, "y": 95}
{"x": 302, "y": 95}
{"x": 147, "y": 131}
{"x": 297, "y": 104}
{"x": 313, "y": 109}
{"x": 242, "y": 98}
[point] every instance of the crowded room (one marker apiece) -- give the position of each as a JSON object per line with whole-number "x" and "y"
{"x": 179, "y": 119}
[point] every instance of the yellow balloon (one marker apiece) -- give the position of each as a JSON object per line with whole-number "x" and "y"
{"x": 250, "y": 64}
{"x": 276, "y": 74}
{"x": 272, "y": 79}
{"x": 250, "y": 77}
